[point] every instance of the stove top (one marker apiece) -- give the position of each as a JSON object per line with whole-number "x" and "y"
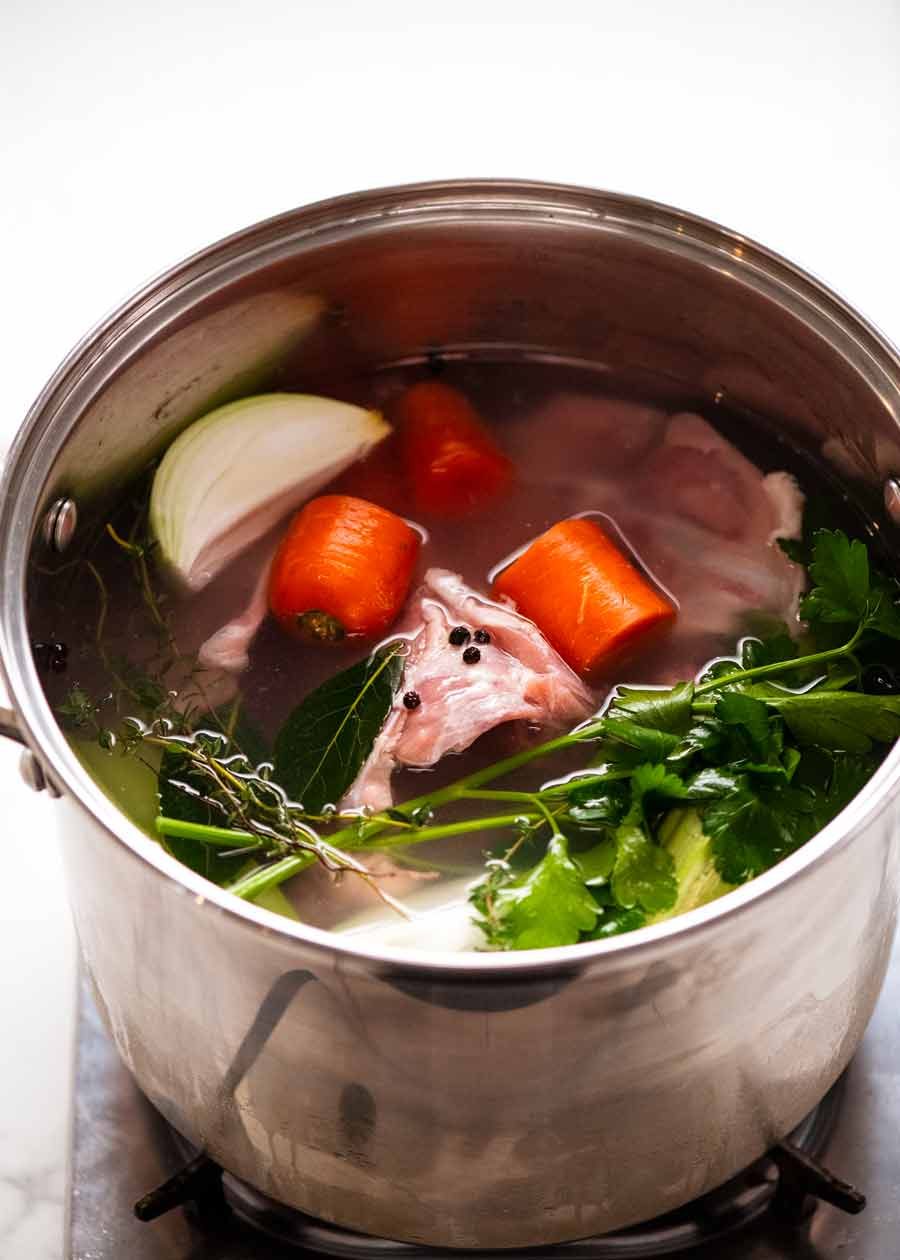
{"x": 121, "y": 1149}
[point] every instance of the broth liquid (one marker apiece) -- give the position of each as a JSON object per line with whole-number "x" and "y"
{"x": 560, "y": 470}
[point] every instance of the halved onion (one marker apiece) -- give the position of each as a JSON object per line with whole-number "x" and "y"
{"x": 235, "y": 472}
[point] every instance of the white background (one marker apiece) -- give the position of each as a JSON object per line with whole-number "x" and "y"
{"x": 132, "y": 134}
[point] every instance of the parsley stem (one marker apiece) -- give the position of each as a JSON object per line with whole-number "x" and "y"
{"x": 482, "y": 794}
{"x": 266, "y": 877}
{"x": 453, "y": 791}
{"x": 224, "y": 837}
{"x": 548, "y": 817}
{"x": 781, "y": 667}
{"x": 493, "y": 823}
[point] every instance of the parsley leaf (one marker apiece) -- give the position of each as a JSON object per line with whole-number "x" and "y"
{"x": 629, "y": 742}
{"x": 599, "y": 805}
{"x": 548, "y": 905}
{"x": 596, "y": 864}
{"x": 833, "y": 779}
{"x": 884, "y": 616}
{"x": 655, "y": 780}
{"x": 846, "y": 589}
{"x": 644, "y": 873}
{"x": 614, "y": 921}
{"x": 707, "y": 737}
{"x": 752, "y": 829}
{"x": 750, "y": 716}
{"x": 713, "y": 782}
{"x": 662, "y": 710}
{"x": 848, "y": 776}
{"x": 818, "y": 513}
{"x": 849, "y": 721}
{"x": 839, "y": 570}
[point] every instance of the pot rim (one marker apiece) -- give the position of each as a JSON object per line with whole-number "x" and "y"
{"x": 27, "y": 467}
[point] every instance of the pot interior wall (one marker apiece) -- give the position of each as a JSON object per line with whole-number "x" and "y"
{"x": 657, "y": 310}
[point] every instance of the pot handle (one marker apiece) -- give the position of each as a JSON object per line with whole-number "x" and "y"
{"x": 9, "y": 727}
{"x": 30, "y": 768}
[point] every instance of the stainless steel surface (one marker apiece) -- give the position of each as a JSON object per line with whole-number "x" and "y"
{"x": 892, "y": 499}
{"x": 60, "y": 524}
{"x": 508, "y": 1099}
{"x": 120, "y": 1149}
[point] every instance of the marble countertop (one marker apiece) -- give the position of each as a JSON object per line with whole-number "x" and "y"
{"x": 134, "y": 134}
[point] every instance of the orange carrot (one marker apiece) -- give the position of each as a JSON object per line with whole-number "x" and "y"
{"x": 453, "y": 464}
{"x": 343, "y": 568}
{"x": 585, "y": 596}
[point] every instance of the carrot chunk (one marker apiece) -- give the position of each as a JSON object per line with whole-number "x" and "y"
{"x": 584, "y": 595}
{"x": 453, "y": 464}
{"x": 343, "y": 568}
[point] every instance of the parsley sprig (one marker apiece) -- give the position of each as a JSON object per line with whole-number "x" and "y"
{"x": 727, "y": 776}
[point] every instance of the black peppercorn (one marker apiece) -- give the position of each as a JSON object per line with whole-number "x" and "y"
{"x": 472, "y": 655}
{"x": 880, "y": 680}
{"x": 50, "y": 656}
{"x": 435, "y": 362}
{"x": 412, "y": 700}
{"x": 459, "y": 635}
{"x": 482, "y": 636}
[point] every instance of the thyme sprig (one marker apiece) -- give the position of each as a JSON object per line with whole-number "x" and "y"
{"x": 258, "y": 816}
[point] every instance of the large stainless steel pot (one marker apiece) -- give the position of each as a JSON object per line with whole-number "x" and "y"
{"x": 483, "y": 1100}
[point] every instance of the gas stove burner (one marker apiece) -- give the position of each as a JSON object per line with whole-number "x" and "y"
{"x": 786, "y": 1181}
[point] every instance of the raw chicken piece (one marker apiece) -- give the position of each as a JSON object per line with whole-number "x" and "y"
{"x": 519, "y": 677}
{"x": 703, "y": 516}
{"x": 609, "y": 435}
{"x": 701, "y": 477}
{"x": 228, "y": 649}
{"x": 786, "y": 500}
{"x": 222, "y": 656}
